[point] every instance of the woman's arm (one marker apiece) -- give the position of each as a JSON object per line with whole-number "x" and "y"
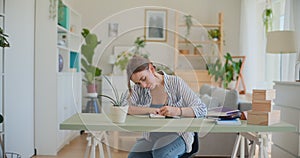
{"x": 177, "y": 111}
{"x": 135, "y": 110}
{"x": 193, "y": 106}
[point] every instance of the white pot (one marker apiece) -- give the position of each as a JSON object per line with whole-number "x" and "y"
{"x": 118, "y": 113}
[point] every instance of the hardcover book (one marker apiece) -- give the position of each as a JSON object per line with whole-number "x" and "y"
{"x": 236, "y": 121}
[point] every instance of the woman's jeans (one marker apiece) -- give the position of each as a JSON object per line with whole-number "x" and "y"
{"x": 162, "y": 145}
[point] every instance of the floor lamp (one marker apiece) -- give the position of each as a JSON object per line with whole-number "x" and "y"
{"x": 281, "y": 42}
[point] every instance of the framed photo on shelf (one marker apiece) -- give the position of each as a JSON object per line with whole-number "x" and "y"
{"x": 156, "y": 25}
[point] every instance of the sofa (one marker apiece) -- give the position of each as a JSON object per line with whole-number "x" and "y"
{"x": 217, "y": 144}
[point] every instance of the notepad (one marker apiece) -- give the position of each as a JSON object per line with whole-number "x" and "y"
{"x": 156, "y": 116}
{"x": 163, "y": 117}
{"x": 236, "y": 121}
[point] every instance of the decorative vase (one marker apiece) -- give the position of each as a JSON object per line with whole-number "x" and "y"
{"x": 215, "y": 39}
{"x": 92, "y": 89}
{"x": 118, "y": 113}
{"x": 60, "y": 63}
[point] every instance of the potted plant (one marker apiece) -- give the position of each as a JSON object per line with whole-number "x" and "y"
{"x": 3, "y": 41}
{"x": 91, "y": 72}
{"x": 267, "y": 19}
{"x": 125, "y": 56}
{"x": 214, "y": 34}
{"x": 188, "y": 23}
{"x": 225, "y": 72}
{"x": 119, "y": 106}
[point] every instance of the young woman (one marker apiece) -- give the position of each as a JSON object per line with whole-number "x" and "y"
{"x": 167, "y": 95}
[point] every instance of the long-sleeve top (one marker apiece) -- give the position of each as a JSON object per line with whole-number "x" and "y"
{"x": 179, "y": 95}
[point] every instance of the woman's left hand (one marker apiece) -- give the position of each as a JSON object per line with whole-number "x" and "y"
{"x": 169, "y": 111}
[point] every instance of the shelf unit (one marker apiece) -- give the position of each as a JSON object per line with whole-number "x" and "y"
{"x": 192, "y": 63}
{"x": 57, "y": 84}
{"x": 2, "y": 79}
{"x": 287, "y": 100}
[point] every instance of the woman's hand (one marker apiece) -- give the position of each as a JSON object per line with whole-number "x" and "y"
{"x": 169, "y": 111}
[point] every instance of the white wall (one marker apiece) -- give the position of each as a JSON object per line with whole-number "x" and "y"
{"x": 19, "y": 116}
{"x": 205, "y": 11}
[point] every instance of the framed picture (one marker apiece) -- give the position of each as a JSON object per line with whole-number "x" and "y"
{"x": 156, "y": 25}
{"x": 113, "y": 29}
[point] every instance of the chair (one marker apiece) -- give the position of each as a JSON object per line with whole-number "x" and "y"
{"x": 195, "y": 147}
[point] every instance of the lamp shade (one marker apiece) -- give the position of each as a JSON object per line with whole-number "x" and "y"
{"x": 281, "y": 42}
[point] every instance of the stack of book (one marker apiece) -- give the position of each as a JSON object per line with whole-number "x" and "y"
{"x": 235, "y": 121}
{"x": 230, "y": 118}
{"x": 262, "y": 112}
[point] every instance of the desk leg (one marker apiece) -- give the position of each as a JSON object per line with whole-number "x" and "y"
{"x": 252, "y": 148}
{"x": 236, "y": 146}
{"x": 242, "y": 147}
{"x": 88, "y": 146}
{"x": 93, "y": 141}
{"x": 263, "y": 146}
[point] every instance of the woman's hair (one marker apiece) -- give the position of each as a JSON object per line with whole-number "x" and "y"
{"x": 136, "y": 64}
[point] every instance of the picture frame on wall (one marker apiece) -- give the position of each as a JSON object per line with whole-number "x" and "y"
{"x": 113, "y": 29}
{"x": 156, "y": 25}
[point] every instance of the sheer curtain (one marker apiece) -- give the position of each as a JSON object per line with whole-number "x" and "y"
{"x": 283, "y": 19}
{"x": 261, "y": 69}
{"x": 252, "y": 43}
{"x": 289, "y": 60}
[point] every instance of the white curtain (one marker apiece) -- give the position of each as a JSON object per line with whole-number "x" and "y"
{"x": 289, "y": 60}
{"x": 252, "y": 43}
{"x": 261, "y": 69}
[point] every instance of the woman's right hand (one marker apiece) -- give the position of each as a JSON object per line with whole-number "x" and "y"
{"x": 154, "y": 111}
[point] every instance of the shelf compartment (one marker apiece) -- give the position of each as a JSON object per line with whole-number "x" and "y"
{"x": 201, "y": 25}
{"x": 63, "y": 16}
{"x": 63, "y": 57}
{"x": 74, "y": 62}
{"x": 75, "y": 41}
{"x": 75, "y": 22}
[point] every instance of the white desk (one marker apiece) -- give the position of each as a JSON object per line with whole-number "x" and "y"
{"x": 101, "y": 122}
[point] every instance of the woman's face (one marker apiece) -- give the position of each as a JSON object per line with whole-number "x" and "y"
{"x": 144, "y": 78}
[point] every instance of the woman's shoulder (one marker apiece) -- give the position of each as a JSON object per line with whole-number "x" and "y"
{"x": 173, "y": 78}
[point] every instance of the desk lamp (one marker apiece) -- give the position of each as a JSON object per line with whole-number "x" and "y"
{"x": 281, "y": 42}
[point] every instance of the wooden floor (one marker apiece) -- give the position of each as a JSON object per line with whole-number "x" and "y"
{"x": 77, "y": 147}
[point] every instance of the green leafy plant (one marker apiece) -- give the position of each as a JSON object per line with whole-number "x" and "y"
{"x": 125, "y": 56}
{"x": 3, "y": 39}
{"x": 122, "y": 59}
{"x": 188, "y": 23}
{"x": 267, "y": 19}
{"x": 117, "y": 100}
{"x": 225, "y": 72}
{"x": 88, "y": 51}
{"x": 161, "y": 67}
{"x": 214, "y": 33}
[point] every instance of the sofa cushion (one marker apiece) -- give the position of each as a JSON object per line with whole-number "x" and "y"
{"x": 224, "y": 97}
{"x": 209, "y": 101}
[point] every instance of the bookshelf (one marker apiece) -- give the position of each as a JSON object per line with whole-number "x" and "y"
{"x": 190, "y": 59}
{"x": 57, "y": 75}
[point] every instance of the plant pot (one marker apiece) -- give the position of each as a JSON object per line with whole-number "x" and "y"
{"x": 118, "y": 113}
{"x": 215, "y": 39}
{"x": 185, "y": 52}
{"x": 91, "y": 88}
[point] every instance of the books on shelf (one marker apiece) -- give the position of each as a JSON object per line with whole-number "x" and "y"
{"x": 235, "y": 121}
